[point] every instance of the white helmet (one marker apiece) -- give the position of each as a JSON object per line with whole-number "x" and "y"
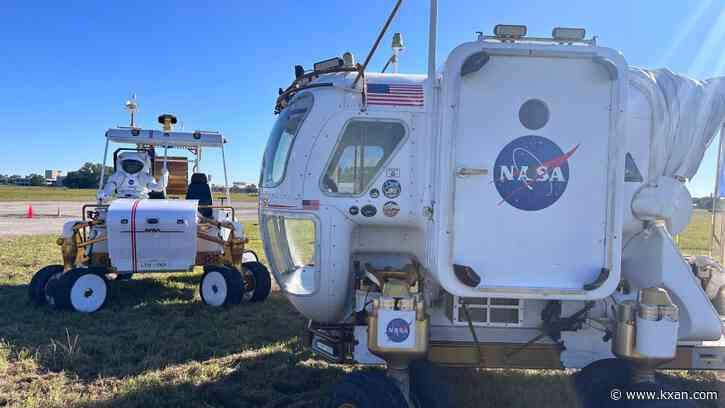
{"x": 133, "y": 162}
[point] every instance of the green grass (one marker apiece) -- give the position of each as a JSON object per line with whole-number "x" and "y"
{"x": 156, "y": 345}
{"x": 695, "y": 239}
{"x": 14, "y": 193}
{"x": 17, "y": 193}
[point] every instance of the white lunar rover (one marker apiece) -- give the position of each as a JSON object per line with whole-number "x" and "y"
{"x": 514, "y": 208}
{"x": 144, "y": 230}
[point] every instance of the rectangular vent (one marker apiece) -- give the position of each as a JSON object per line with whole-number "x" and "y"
{"x": 491, "y": 312}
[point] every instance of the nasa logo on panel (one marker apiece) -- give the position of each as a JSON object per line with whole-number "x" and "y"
{"x": 398, "y": 330}
{"x": 532, "y": 172}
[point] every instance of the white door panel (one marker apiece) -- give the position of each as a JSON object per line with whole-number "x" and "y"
{"x": 536, "y": 217}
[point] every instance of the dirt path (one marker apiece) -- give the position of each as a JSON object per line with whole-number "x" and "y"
{"x": 49, "y": 216}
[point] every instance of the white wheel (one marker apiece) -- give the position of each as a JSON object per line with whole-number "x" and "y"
{"x": 88, "y": 293}
{"x": 249, "y": 256}
{"x": 214, "y": 288}
{"x": 221, "y": 286}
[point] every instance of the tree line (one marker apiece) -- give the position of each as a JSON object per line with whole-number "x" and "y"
{"x": 88, "y": 176}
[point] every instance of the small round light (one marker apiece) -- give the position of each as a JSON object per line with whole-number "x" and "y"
{"x": 534, "y": 114}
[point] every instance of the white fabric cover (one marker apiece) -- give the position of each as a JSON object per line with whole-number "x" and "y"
{"x": 687, "y": 114}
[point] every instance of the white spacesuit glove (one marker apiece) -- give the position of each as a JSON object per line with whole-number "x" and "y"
{"x": 102, "y": 196}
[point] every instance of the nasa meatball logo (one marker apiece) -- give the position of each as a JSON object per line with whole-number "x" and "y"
{"x": 532, "y": 172}
{"x": 398, "y": 330}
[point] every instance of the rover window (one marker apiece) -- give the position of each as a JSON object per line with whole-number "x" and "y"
{"x": 362, "y": 151}
{"x": 281, "y": 140}
{"x": 631, "y": 171}
{"x": 291, "y": 252}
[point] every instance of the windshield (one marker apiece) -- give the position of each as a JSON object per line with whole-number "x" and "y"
{"x": 281, "y": 139}
{"x": 290, "y": 244}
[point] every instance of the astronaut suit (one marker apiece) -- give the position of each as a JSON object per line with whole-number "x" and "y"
{"x": 132, "y": 178}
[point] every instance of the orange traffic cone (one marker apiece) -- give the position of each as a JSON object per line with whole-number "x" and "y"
{"x": 30, "y": 211}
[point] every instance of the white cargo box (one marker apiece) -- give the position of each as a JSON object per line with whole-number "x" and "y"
{"x": 152, "y": 235}
{"x": 534, "y": 175}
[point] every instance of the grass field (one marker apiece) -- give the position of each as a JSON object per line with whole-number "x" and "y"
{"x": 15, "y": 193}
{"x": 156, "y": 345}
{"x": 695, "y": 240}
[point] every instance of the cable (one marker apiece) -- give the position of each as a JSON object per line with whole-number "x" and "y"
{"x": 473, "y": 332}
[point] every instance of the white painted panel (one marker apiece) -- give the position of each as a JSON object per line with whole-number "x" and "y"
{"x": 164, "y": 237}
{"x": 559, "y": 246}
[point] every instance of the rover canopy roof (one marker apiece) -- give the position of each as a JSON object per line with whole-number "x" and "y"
{"x": 170, "y": 139}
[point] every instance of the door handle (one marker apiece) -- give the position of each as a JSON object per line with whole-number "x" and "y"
{"x": 469, "y": 171}
{"x": 152, "y": 220}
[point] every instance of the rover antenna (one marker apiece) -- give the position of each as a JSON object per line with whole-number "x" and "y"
{"x": 377, "y": 42}
{"x": 132, "y": 108}
{"x": 397, "y": 47}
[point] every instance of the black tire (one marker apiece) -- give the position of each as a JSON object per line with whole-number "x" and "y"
{"x": 595, "y": 382}
{"x": 262, "y": 280}
{"x": 428, "y": 388}
{"x": 366, "y": 390}
{"x": 232, "y": 279}
{"x": 39, "y": 283}
{"x": 656, "y": 388}
{"x": 63, "y": 293}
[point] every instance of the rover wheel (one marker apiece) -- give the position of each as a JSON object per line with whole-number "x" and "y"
{"x": 221, "y": 286}
{"x": 366, "y": 390}
{"x": 262, "y": 280}
{"x": 428, "y": 388}
{"x": 39, "y": 283}
{"x": 249, "y": 256}
{"x": 595, "y": 382}
{"x": 83, "y": 290}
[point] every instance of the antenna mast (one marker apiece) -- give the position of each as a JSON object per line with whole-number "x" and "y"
{"x": 432, "y": 39}
{"x": 132, "y": 108}
{"x": 377, "y": 42}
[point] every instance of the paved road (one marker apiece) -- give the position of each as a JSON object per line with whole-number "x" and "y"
{"x": 48, "y": 217}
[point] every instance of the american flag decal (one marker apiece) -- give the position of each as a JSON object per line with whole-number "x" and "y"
{"x": 395, "y": 94}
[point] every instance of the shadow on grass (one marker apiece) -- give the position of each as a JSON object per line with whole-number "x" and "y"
{"x": 273, "y": 380}
{"x": 146, "y": 324}
{"x": 285, "y": 381}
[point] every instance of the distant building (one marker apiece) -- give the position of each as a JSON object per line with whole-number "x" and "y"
{"x": 52, "y": 177}
{"x": 59, "y": 181}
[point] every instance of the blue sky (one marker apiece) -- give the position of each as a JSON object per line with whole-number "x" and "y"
{"x": 67, "y": 67}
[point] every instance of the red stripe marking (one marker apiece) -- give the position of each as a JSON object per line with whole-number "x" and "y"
{"x": 395, "y": 103}
{"x": 403, "y": 86}
{"x": 134, "y": 259}
{"x": 406, "y": 97}
{"x": 410, "y": 100}
{"x": 397, "y": 95}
